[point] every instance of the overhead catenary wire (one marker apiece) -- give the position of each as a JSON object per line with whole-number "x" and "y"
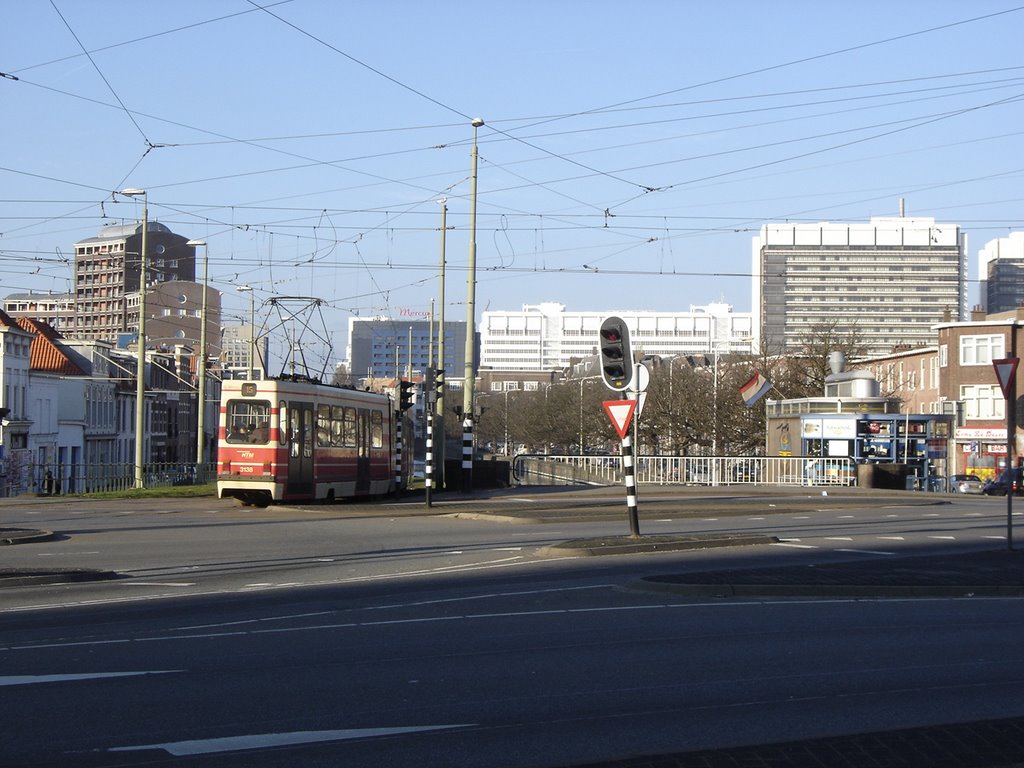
{"x": 619, "y": 226}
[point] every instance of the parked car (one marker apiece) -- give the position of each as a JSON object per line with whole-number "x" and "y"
{"x": 966, "y": 484}
{"x": 1008, "y": 480}
{"x": 745, "y": 472}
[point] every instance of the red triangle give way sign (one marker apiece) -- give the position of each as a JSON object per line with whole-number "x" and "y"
{"x": 621, "y": 413}
{"x": 1006, "y": 372}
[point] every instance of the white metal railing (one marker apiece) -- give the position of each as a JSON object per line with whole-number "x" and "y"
{"x": 540, "y": 469}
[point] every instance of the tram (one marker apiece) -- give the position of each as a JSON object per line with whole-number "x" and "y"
{"x": 293, "y": 439}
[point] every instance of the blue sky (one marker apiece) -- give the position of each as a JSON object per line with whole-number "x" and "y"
{"x": 630, "y": 153}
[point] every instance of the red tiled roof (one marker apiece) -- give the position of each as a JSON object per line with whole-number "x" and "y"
{"x": 45, "y": 352}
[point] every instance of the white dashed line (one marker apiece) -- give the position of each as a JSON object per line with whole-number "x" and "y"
{"x": 866, "y": 551}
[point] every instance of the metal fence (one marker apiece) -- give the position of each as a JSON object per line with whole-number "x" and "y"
{"x": 19, "y": 477}
{"x": 539, "y": 469}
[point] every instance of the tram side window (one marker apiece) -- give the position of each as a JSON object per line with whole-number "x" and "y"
{"x": 377, "y": 429}
{"x": 323, "y": 426}
{"x": 350, "y": 429}
{"x": 294, "y": 432}
{"x": 248, "y": 421}
{"x": 337, "y": 426}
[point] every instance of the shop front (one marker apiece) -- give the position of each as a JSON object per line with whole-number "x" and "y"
{"x": 920, "y": 444}
{"x": 980, "y": 451}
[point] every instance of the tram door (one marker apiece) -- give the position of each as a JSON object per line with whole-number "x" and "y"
{"x": 301, "y": 431}
{"x": 363, "y": 453}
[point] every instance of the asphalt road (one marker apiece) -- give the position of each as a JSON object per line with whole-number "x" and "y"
{"x": 375, "y": 636}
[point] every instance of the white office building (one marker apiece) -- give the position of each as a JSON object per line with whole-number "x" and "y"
{"x": 542, "y": 337}
{"x": 885, "y": 282}
{"x": 1001, "y": 274}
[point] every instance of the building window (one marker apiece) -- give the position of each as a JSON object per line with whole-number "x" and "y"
{"x": 980, "y": 350}
{"x": 983, "y": 401}
{"x": 943, "y": 355}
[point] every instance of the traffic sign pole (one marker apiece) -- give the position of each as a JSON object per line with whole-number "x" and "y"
{"x": 630, "y": 482}
{"x": 1006, "y": 373}
{"x": 620, "y": 412}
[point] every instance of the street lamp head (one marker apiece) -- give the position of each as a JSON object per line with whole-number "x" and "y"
{"x": 133, "y": 192}
{"x": 476, "y": 122}
{"x": 244, "y": 288}
{"x": 196, "y": 243}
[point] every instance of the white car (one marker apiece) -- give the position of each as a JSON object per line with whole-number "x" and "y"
{"x": 966, "y": 484}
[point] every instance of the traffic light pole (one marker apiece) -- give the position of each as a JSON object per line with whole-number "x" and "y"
{"x": 617, "y": 372}
{"x": 428, "y": 459}
{"x": 630, "y": 483}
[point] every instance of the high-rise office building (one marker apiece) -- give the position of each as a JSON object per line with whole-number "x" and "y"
{"x": 885, "y": 283}
{"x": 1001, "y": 274}
{"x": 238, "y": 343}
{"x": 383, "y": 348}
{"x": 107, "y": 271}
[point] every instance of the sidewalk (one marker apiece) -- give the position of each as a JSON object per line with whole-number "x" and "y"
{"x": 985, "y": 744}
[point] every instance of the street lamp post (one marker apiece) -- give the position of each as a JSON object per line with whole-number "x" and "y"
{"x": 201, "y": 368}
{"x": 506, "y": 421}
{"x": 252, "y": 328}
{"x": 140, "y": 344}
{"x": 468, "y": 386}
{"x": 728, "y": 343}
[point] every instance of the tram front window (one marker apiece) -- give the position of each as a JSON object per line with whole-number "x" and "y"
{"x": 248, "y": 421}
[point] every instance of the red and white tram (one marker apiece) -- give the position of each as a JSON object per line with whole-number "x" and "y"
{"x": 299, "y": 440}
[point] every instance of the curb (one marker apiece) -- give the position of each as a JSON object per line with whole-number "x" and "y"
{"x": 24, "y": 536}
{"x": 630, "y": 545}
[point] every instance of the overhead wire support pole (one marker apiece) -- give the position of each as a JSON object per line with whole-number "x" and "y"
{"x": 470, "y": 371}
{"x": 140, "y": 345}
{"x": 439, "y": 429}
{"x": 429, "y": 395}
{"x": 201, "y": 367}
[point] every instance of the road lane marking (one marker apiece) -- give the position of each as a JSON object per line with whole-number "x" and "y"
{"x": 866, "y": 551}
{"x": 944, "y": 538}
{"x": 505, "y": 562}
{"x": 791, "y": 544}
{"x": 74, "y": 677}
{"x": 271, "y": 740}
{"x": 838, "y": 538}
{"x": 160, "y": 583}
{"x": 892, "y": 538}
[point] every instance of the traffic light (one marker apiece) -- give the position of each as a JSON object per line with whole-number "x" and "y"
{"x": 438, "y": 384}
{"x": 428, "y": 387}
{"x": 405, "y": 395}
{"x": 616, "y": 358}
